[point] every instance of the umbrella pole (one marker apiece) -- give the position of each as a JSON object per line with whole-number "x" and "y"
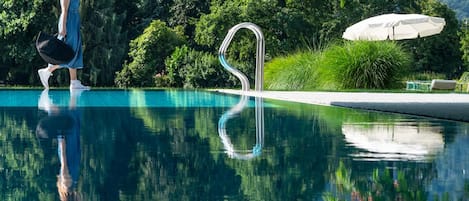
{"x": 392, "y": 32}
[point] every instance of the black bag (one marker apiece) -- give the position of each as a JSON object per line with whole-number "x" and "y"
{"x": 53, "y": 50}
{"x": 57, "y": 124}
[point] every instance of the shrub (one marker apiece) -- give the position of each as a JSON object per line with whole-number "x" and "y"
{"x": 194, "y": 69}
{"x": 147, "y": 53}
{"x": 365, "y": 65}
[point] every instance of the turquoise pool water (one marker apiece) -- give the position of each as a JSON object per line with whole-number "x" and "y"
{"x": 200, "y": 145}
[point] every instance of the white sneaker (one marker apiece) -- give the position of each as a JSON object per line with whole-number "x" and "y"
{"x": 76, "y": 84}
{"x": 76, "y": 93}
{"x": 44, "y": 102}
{"x": 44, "y": 75}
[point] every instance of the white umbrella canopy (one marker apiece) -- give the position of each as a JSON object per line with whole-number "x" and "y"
{"x": 395, "y": 27}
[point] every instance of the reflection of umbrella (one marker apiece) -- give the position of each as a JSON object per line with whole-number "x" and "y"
{"x": 393, "y": 142}
{"x": 395, "y": 27}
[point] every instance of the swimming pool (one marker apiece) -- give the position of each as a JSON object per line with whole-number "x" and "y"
{"x": 201, "y": 145}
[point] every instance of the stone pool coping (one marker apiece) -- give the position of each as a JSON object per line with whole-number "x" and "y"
{"x": 450, "y": 106}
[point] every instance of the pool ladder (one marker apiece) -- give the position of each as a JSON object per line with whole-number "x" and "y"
{"x": 225, "y": 139}
{"x": 238, "y": 108}
{"x": 260, "y": 54}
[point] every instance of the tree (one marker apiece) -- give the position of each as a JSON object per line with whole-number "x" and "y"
{"x": 464, "y": 34}
{"x": 287, "y": 27}
{"x": 147, "y": 53}
{"x": 20, "y": 21}
{"x": 345, "y": 13}
{"x": 142, "y": 12}
{"x": 439, "y": 53}
{"x": 461, "y": 7}
{"x": 105, "y": 41}
{"x": 185, "y": 13}
{"x": 195, "y": 69}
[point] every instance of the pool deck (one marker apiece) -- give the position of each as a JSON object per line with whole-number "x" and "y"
{"x": 450, "y": 106}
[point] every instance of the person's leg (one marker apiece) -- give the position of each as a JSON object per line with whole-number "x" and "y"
{"x": 45, "y": 73}
{"x": 74, "y": 82}
{"x": 52, "y": 68}
{"x": 73, "y": 73}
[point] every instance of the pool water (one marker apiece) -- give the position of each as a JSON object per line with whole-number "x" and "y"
{"x": 200, "y": 145}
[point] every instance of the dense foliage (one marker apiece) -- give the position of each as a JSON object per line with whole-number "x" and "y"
{"x": 20, "y": 21}
{"x": 465, "y": 43}
{"x": 104, "y": 53}
{"x": 194, "y": 69}
{"x": 436, "y": 53}
{"x": 157, "y": 39}
{"x": 111, "y": 29}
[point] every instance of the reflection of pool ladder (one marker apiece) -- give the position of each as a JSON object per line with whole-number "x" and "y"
{"x": 225, "y": 139}
{"x": 260, "y": 54}
{"x": 259, "y": 104}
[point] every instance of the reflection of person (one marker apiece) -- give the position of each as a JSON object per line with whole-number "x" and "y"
{"x": 64, "y": 125}
{"x": 69, "y": 28}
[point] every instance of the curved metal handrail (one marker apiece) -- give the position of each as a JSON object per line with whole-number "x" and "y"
{"x": 234, "y": 111}
{"x": 260, "y": 54}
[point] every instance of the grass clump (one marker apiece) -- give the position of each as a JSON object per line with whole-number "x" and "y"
{"x": 351, "y": 65}
{"x": 365, "y": 65}
{"x": 293, "y": 72}
{"x": 425, "y": 76}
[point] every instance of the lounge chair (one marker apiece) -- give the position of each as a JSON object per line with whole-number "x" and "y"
{"x": 418, "y": 85}
{"x": 443, "y": 84}
{"x": 438, "y": 84}
{"x": 435, "y": 84}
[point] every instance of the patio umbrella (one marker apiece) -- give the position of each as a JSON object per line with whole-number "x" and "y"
{"x": 395, "y": 27}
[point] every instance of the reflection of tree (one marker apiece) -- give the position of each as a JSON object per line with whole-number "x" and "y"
{"x": 107, "y": 147}
{"x": 176, "y": 154}
{"x": 289, "y": 171}
{"x": 452, "y": 179}
{"x": 178, "y": 163}
{"x": 22, "y": 160}
{"x": 281, "y": 175}
{"x": 286, "y": 172}
{"x": 389, "y": 183}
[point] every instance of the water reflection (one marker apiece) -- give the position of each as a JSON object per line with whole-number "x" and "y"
{"x": 63, "y": 124}
{"x": 395, "y": 141}
{"x": 452, "y": 167}
{"x": 167, "y": 152}
{"x": 233, "y": 112}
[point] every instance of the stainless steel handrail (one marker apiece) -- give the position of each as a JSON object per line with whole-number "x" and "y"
{"x": 260, "y": 54}
{"x": 233, "y": 112}
{"x": 259, "y": 103}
